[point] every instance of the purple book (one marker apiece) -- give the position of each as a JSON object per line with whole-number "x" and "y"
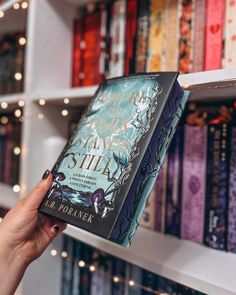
{"x": 193, "y": 188}
{"x": 232, "y": 195}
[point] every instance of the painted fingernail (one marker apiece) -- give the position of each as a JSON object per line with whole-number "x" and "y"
{"x": 55, "y": 229}
{"x": 46, "y": 174}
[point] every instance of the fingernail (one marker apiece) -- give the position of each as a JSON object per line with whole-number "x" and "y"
{"x": 46, "y": 174}
{"x": 55, "y": 229}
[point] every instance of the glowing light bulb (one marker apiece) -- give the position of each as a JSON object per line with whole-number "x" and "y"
{"x": 64, "y": 113}
{"x": 1, "y": 13}
{"x": 24, "y": 5}
{"x": 42, "y": 102}
{"x": 16, "y": 150}
{"x": 92, "y": 268}
{"x": 64, "y": 254}
{"x": 4, "y": 120}
{"x": 131, "y": 283}
{"x": 17, "y": 113}
{"x": 4, "y": 105}
{"x": 22, "y": 41}
{"x": 40, "y": 116}
{"x": 21, "y": 103}
{"x": 116, "y": 279}
{"x": 18, "y": 76}
{"x": 53, "y": 252}
{"x": 16, "y": 5}
{"x": 81, "y": 263}
{"x": 16, "y": 188}
{"x": 66, "y": 100}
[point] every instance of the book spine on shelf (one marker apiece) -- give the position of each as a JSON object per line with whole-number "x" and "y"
{"x": 231, "y": 245}
{"x": 186, "y": 41}
{"x": 199, "y": 35}
{"x": 117, "y": 33}
{"x": 135, "y": 275}
{"x": 216, "y": 203}
{"x": 19, "y": 66}
{"x": 85, "y": 274}
{"x": 142, "y": 36}
{"x": 149, "y": 281}
{"x": 119, "y": 271}
{"x": 174, "y": 179}
{"x": 156, "y": 36}
{"x": 230, "y": 35}
{"x": 171, "y": 35}
{"x": 149, "y": 213}
{"x": 67, "y": 274}
{"x": 194, "y": 175}
{"x": 75, "y": 268}
{"x": 215, "y": 10}
{"x": 130, "y": 35}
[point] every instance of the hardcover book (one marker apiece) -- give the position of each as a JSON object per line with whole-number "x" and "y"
{"x": 102, "y": 179}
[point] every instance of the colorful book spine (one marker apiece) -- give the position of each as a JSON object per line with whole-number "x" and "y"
{"x": 199, "y": 35}
{"x": 215, "y": 10}
{"x": 230, "y": 35}
{"x": 156, "y": 36}
{"x": 231, "y": 245}
{"x": 142, "y": 36}
{"x": 117, "y": 33}
{"x": 186, "y": 40}
{"x": 130, "y": 35}
{"x": 194, "y": 176}
{"x": 174, "y": 179}
{"x": 216, "y": 203}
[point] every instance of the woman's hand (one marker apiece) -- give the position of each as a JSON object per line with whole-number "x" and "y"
{"x": 24, "y": 235}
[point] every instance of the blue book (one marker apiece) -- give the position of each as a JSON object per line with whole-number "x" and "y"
{"x": 104, "y": 175}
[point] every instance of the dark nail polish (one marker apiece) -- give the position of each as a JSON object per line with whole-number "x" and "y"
{"x": 55, "y": 229}
{"x": 46, "y": 174}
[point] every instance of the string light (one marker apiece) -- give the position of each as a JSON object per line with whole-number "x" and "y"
{"x": 1, "y": 13}
{"x": 17, "y": 150}
{"x": 64, "y": 254}
{"x": 24, "y": 5}
{"x": 116, "y": 279}
{"x": 4, "y": 105}
{"x": 18, "y": 76}
{"x": 17, "y": 113}
{"x": 131, "y": 283}
{"x": 92, "y": 268}
{"x": 64, "y": 113}
{"x": 53, "y": 252}
{"x": 42, "y": 102}
{"x": 22, "y": 41}
{"x": 16, "y": 188}
{"x": 81, "y": 263}
{"x": 16, "y": 5}
{"x": 4, "y": 120}
{"x": 66, "y": 100}
{"x": 21, "y": 103}
{"x": 40, "y": 116}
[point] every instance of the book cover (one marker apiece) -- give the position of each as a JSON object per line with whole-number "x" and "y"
{"x": 215, "y": 10}
{"x": 149, "y": 213}
{"x": 215, "y": 235}
{"x": 107, "y": 169}
{"x": 194, "y": 180}
{"x": 231, "y": 245}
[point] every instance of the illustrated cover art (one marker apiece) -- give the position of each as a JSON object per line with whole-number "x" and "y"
{"x": 102, "y": 179}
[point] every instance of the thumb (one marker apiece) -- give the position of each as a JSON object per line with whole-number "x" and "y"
{"x": 37, "y": 195}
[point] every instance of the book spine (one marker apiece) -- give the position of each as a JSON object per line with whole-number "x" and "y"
{"x": 149, "y": 281}
{"x": 171, "y": 32}
{"x": 75, "y": 268}
{"x": 116, "y": 67}
{"x": 119, "y": 270}
{"x": 193, "y": 195}
{"x": 135, "y": 275}
{"x": 216, "y": 204}
{"x": 101, "y": 49}
{"x": 77, "y": 53}
{"x": 130, "y": 35}
{"x": 230, "y": 35}
{"x": 85, "y": 274}
{"x": 186, "y": 40}
{"x": 156, "y": 36}
{"x": 199, "y": 35}
{"x": 232, "y": 195}
{"x": 67, "y": 267}
{"x": 215, "y": 10}
{"x": 142, "y": 36}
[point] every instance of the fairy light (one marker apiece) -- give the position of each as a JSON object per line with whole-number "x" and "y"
{"x": 24, "y": 5}
{"x": 53, "y": 252}
{"x": 81, "y": 263}
{"x": 131, "y": 283}
{"x": 92, "y": 268}
{"x": 4, "y": 105}
{"x": 64, "y": 113}
{"x": 40, "y": 116}
{"x": 1, "y": 13}
{"x": 18, "y": 76}
{"x": 21, "y": 103}
{"x": 64, "y": 254}
{"x": 4, "y": 120}
{"x": 66, "y": 100}
{"x": 22, "y": 41}
{"x": 116, "y": 279}
{"x": 16, "y": 5}
{"x": 42, "y": 102}
{"x": 17, "y": 113}
{"x": 16, "y": 188}
{"x": 17, "y": 150}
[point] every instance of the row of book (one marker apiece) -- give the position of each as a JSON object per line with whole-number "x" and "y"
{"x": 12, "y": 51}
{"x": 129, "y": 36}
{"x": 89, "y": 271}
{"x": 195, "y": 196}
{"x": 10, "y": 134}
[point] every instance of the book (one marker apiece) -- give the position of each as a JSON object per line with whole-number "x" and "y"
{"x": 194, "y": 183}
{"x": 106, "y": 171}
{"x": 216, "y": 204}
{"x": 119, "y": 272}
{"x": 135, "y": 275}
{"x": 149, "y": 213}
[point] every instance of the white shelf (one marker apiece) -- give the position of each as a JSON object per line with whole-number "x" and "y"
{"x": 12, "y": 98}
{"x": 8, "y": 198}
{"x": 193, "y": 265}
{"x": 8, "y": 5}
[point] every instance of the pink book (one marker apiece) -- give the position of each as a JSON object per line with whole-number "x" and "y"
{"x": 193, "y": 188}
{"x": 215, "y": 10}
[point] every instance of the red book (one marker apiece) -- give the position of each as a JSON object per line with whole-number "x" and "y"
{"x": 77, "y": 54}
{"x": 130, "y": 34}
{"x": 215, "y": 10}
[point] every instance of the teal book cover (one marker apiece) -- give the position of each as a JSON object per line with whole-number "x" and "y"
{"x": 103, "y": 177}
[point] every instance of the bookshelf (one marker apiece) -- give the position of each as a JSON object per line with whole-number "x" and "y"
{"x": 48, "y": 76}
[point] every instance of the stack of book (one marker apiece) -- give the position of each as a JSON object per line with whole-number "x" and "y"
{"x": 194, "y": 196}
{"x": 90, "y": 271}
{"x": 127, "y": 36}
{"x": 12, "y": 50}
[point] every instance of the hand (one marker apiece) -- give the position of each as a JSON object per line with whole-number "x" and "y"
{"x": 25, "y": 234}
